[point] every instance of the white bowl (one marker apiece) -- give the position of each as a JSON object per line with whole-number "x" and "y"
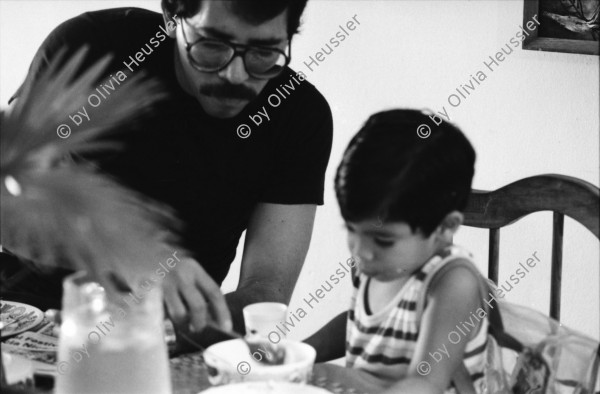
{"x": 265, "y": 388}
{"x": 231, "y": 361}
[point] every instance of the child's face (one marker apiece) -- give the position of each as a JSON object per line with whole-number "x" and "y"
{"x": 388, "y": 251}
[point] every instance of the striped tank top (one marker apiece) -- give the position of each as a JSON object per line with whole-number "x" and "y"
{"x": 383, "y": 343}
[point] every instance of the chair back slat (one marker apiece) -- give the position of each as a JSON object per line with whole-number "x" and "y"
{"x": 563, "y": 195}
{"x": 558, "y": 224}
{"x": 494, "y": 254}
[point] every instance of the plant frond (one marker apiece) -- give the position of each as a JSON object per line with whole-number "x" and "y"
{"x": 68, "y": 215}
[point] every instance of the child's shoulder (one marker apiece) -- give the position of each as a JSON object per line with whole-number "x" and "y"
{"x": 453, "y": 275}
{"x": 448, "y": 258}
{"x": 456, "y": 265}
{"x": 456, "y": 290}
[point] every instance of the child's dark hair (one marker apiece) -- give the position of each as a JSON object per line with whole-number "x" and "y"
{"x": 389, "y": 172}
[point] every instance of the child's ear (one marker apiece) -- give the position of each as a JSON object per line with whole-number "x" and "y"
{"x": 450, "y": 225}
{"x": 170, "y": 24}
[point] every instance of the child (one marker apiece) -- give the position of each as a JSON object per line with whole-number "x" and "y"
{"x": 401, "y": 196}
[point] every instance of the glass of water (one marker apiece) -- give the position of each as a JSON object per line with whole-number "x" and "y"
{"x": 111, "y": 345}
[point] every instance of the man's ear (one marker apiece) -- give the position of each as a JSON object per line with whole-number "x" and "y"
{"x": 170, "y": 24}
{"x": 450, "y": 225}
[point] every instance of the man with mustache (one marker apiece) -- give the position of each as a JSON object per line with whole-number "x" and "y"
{"x": 219, "y": 62}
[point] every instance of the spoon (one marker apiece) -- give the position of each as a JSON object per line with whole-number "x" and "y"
{"x": 273, "y": 353}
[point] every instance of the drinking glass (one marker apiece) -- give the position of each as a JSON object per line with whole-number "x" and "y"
{"x": 111, "y": 344}
{"x": 262, "y": 318}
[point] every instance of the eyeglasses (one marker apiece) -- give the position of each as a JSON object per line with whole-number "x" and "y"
{"x": 211, "y": 55}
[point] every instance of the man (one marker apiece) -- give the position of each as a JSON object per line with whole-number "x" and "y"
{"x": 220, "y": 64}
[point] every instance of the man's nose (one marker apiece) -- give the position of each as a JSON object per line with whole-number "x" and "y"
{"x": 235, "y": 72}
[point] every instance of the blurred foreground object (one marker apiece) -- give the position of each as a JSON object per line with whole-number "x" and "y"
{"x": 57, "y": 213}
{"x": 110, "y": 347}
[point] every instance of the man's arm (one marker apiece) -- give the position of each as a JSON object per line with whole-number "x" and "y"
{"x": 330, "y": 340}
{"x": 276, "y": 244}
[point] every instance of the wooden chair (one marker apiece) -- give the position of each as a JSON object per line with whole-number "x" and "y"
{"x": 561, "y": 194}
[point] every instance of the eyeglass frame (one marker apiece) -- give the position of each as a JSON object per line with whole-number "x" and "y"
{"x": 238, "y": 50}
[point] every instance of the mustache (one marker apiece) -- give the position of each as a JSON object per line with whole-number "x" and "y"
{"x": 228, "y": 91}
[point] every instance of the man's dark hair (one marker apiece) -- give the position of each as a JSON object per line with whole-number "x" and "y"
{"x": 389, "y": 172}
{"x": 253, "y": 11}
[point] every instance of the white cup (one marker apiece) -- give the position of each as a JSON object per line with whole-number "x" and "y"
{"x": 262, "y": 318}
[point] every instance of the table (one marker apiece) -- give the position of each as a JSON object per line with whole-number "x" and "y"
{"x": 189, "y": 376}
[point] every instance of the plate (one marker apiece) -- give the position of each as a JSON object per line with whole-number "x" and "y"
{"x": 27, "y": 317}
{"x": 265, "y": 387}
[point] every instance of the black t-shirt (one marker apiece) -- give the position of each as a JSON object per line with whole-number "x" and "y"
{"x": 195, "y": 163}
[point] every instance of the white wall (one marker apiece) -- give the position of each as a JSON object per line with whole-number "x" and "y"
{"x": 536, "y": 113}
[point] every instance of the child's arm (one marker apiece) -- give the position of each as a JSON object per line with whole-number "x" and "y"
{"x": 452, "y": 298}
{"x": 330, "y": 340}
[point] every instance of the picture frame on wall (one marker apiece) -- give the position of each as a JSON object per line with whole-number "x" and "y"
{"x": 570, "y": 26}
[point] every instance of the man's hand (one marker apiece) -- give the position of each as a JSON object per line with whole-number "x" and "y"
{"x": 193, "y": 299}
